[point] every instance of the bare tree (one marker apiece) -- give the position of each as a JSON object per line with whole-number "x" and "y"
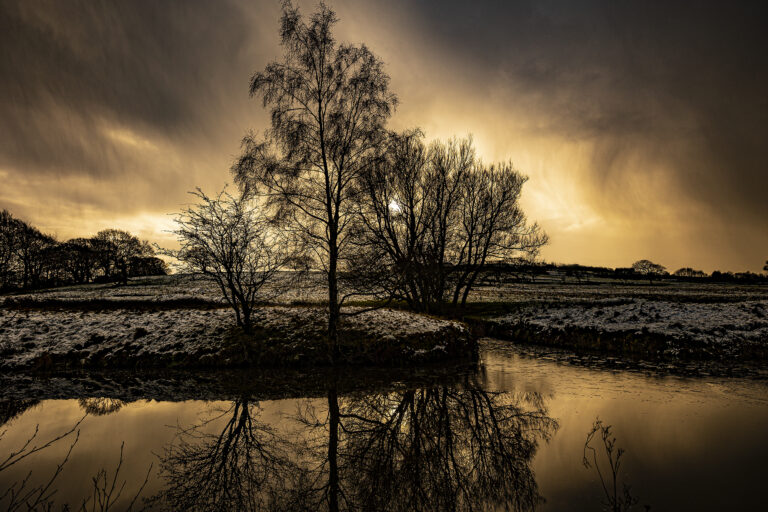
{"x": 9, "y": 229}
{"x": 649, "y": 269}
{"x": 615, "y": 500}
{"x": 434, "y": 217}
{"x": 689, "y": 272}
{"x": 225, "y": 238}
{"x": 30, "y": 249}
{"x": 118, "y": 248}
{"x": 328, "y": 103}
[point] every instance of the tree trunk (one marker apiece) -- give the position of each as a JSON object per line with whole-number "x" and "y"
{"x": 333, "y": 448}
{"x": 334, "y": 311}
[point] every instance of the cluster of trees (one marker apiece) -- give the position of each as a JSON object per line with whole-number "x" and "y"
{"x": 652, "y": 271}
{"x": 380, "y": 213}
{"x": 432, "y": 217}
{"x": 32, "y": 259}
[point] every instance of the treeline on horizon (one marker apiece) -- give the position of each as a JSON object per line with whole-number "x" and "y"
{"x": 640, "y": 270}
{"x": 32, "y": 259}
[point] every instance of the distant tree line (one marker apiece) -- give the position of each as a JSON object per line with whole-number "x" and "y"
{"x": 30, "y": 258}
{"x": 521, "y": 269}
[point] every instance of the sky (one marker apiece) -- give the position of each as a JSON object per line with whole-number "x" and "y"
{"x": 643, "y": 126}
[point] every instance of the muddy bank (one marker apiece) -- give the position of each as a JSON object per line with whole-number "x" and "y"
{"x": 283, "y": 337}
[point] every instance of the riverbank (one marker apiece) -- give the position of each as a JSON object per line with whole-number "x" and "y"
{"x": 70, "y": 338}
{"x": 655, "y": 329}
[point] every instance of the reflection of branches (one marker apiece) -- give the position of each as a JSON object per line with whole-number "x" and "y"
{"x": 443, "y": 448}
{"x": 613, "y": 500}
{"x": 10, "y": 409}
{"x": 224, "y": 471}
{"x": 20, "y": 494}
{"x": 100, "y": 406}
{"x": 106, "y": 494}
{"x": 436, "y": 448}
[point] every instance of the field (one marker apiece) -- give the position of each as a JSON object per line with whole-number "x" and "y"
{"x": 181, "y": 320}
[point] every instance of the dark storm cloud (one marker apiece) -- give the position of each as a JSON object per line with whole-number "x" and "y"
{"x": 70, "y": 69}
{"x": 683, "y": 81}
{"x": 117, "y": 108}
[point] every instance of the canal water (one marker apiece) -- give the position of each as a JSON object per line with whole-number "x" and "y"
{"x": 509, "y": 433}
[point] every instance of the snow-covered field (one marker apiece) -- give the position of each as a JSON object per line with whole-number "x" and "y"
{"x": 158, "y": 289}
{"x": 179, "y": 320}
{"x": 714, "y": 327}
{"x": 598, "y": 289}
{"x": 186, "y": 287}
{"x": 71, "y": 338}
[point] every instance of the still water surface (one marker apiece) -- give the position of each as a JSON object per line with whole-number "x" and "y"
{"x": 508, "y": 433}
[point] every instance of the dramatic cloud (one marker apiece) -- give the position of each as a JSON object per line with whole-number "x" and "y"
{"x": 642, "y": 125}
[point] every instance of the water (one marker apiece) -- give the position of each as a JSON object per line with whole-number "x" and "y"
{"x": 508, "y": 433}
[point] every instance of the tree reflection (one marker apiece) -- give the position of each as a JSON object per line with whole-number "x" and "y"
{"x": 443, "y": 449}
{"x": 100, "y": 406}
{"x": 227, "y": 469}
{"x": 12, "y": 408}
{"x": 433, "y": 448}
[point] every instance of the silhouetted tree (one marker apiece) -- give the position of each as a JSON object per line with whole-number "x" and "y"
{"x": 722, "y": 276}
{"x": 30, "y": 247}
{"x": 689, "y": 272}
{"x": 9, "y": 240}
{"x": 226, "y": 238}
{"x": 148, "y": 266}
{"x": 765, "y": 267}
{"x": 328, "y": 103}
{"x": 116, "y": 250}
{"x": 30, "y": 258}
{"x": 434, "y": 217}
{"x": 82, "y": 259}
{"x": 649, "y": 269}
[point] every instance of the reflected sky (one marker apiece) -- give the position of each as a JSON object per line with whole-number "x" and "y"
{"x": 690, "y": 443}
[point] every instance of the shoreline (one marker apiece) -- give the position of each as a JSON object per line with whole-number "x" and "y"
{"x": 639, "y": 328}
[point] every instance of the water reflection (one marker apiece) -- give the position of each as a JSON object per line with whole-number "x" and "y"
{"x": 433, "y": 448}
{"x": 12, "y": 408}
{"x": 230, "y": 469}
{"x": 100, "y": 406}
{"x": 437, "y": 440}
